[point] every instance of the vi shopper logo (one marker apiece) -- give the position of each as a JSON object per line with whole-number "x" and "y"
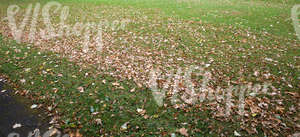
{"x": 36, "y": 133}
{"x": 60, "y": 30}
{"x": 177, "y": 79}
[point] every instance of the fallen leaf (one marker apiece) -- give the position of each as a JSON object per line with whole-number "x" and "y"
{"x": 141, "y": 111}
{"x": 17, "y": 125}
{"x": 124, "y": 126}
{"x": 183, "y": 131}
{"x": 237, "y": 134}
{"x": 34, "y": 106}
{"x": 81, "y": 90}
{"x": 22, "y": 81}
{"x": 116, "y": 84}
{"x": 98, "y": 121}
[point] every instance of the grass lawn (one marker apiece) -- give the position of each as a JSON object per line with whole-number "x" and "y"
{"x": 240, "y": 42}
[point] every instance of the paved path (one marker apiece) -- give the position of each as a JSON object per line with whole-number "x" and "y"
{"x": 15, "y": 109}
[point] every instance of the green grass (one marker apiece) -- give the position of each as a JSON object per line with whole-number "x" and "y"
{"x": 115, "y": 106}
{"x": 238, "y": 35}
{"x": 258, "y": 15}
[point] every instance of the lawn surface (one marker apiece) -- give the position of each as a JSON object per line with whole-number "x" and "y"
{"x": 108, "y": 92}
